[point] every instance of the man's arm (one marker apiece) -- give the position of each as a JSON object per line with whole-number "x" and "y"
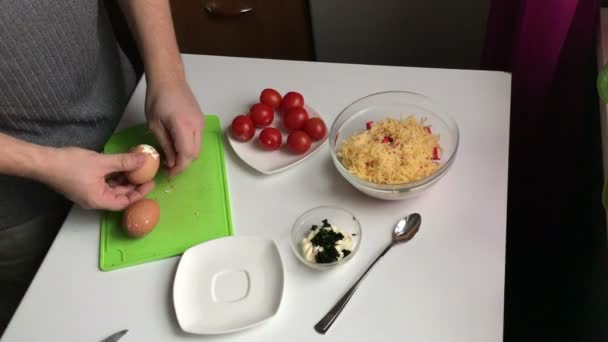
{"x": 174, "y": 115}
{"x": 23, "y": 159}
{"x": 152, "y": 25}
{"x": 79, "y": 174}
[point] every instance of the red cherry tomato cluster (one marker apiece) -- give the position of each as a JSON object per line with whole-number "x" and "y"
{"x": 301, "y": 127}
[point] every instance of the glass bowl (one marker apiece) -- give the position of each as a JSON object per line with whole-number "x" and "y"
{"x": 336, "y": 216}
{"x": 395, "y": 104}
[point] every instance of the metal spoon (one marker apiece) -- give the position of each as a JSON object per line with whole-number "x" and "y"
{"x": 404, "y": 231}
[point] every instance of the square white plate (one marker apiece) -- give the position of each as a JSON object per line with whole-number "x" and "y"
{"x": 269, "y": 162}
{"x": 228, "y": 284}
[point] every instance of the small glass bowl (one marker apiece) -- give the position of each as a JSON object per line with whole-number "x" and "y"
{"x": 336, "y": 216}
{"x": 375, "y": 107}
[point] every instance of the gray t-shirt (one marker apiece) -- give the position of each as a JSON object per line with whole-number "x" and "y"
{"x": 64, "y": 81}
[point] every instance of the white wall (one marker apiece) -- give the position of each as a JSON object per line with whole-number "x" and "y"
{"x": 431, "y": 33}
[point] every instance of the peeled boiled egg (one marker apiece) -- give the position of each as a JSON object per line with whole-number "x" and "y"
{"x": 141, "y": 217}
{"x": 148, "y": 170}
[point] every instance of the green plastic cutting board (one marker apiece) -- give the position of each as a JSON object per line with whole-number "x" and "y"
{"x": 194, "y": 205}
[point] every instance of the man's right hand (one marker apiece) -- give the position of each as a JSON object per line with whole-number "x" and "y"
{"x": 93, "y": 180}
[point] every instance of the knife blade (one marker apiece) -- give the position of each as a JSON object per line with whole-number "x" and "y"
{"x": 115, "y": 337}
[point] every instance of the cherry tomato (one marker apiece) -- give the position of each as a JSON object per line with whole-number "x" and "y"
{"x": 242, "y": 128}
{"x": 271, "y": 97}
{"x": 271, "y": 138}
{"x": 291, "y": 100}
{"x": 315, "y": 127}
{"x": 295, "y": 118}
{"x": 298, "y": 142}
{"x": 261, "y": 114}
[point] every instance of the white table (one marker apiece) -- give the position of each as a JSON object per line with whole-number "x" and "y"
{"x": 445, "y": 285}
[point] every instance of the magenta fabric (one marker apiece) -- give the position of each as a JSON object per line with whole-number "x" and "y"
{"x": 530, "y": 38}
{"x": 549, "y": 48}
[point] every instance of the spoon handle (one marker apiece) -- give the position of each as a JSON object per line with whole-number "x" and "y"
{"x": 325, "y": 323}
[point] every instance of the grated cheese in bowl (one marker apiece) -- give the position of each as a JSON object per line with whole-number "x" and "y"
{"x": 392, "y": 151}
{"x": 393, "y": 157}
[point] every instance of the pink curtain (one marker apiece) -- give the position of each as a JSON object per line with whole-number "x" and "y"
{"x": 549, "y": 48}
{"x": 544, "y": 44}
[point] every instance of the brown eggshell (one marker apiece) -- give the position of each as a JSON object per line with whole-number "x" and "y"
{"x": 148, "y": 170}
{"x": 141, "y": 217}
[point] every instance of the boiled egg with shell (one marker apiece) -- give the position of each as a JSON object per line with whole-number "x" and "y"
{"x": 141, "y": 217}
{"x": 149, "y": 168}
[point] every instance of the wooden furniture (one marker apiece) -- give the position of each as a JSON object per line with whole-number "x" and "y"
{"x": 244, "y": 28}
{"x": 276, "y": 29}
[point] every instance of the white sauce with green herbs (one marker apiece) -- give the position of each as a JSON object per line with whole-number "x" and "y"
{"x": 310, "y": 251}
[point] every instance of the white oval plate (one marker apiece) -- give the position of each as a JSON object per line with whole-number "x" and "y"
{"x": 269, "y": 162}
{"x": 228, "y": 284}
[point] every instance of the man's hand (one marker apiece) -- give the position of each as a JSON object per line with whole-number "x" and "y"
{"x": 93, "y": 180}
{"x": 173, "y": 114}
{"x": 175, "y": 118}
